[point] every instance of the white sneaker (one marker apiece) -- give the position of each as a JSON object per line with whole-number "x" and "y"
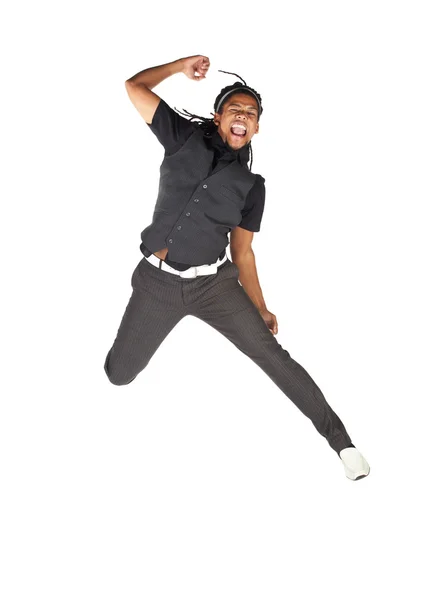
{"x": 355, "y": 465}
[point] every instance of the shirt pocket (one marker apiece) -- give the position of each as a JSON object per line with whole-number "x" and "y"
{"x": 231, "y": 195}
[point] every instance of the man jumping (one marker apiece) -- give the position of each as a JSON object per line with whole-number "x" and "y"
{"x": 207, "y": 193}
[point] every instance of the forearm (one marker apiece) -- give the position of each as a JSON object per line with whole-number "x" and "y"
{"x": 153, "y": 76}
{"x": 249, "y": 278}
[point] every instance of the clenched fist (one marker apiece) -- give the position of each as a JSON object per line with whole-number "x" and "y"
{"x": 196, "y": 64}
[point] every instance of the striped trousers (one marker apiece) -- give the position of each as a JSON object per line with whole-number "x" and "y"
{"x": 159, "y": 300}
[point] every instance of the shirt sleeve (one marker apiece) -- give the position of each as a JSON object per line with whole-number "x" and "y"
{"x": 252, "y": 212}
{"x": 171, "y": 129}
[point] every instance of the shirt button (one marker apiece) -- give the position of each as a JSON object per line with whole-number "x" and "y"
{"x": 187, "y": 214}
{"x": 179, "y": 226}
{"x": 196, "y": 200}
{"x": 205, "y": 185}
{"x": 171, "y": 241}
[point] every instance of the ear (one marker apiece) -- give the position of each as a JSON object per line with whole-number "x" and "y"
{"x": 217, "y": 118}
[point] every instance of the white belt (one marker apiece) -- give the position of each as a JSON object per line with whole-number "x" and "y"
{"x": 189, "y": 273}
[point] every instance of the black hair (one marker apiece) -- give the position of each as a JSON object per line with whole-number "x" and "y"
{"x": 208, "y": 125}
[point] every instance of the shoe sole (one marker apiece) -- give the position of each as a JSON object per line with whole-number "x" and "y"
{"x": 359, "y": 477}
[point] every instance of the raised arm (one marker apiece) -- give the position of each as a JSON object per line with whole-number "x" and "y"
{"x": 140, "y": 85}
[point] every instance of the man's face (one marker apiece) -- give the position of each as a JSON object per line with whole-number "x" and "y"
{"x": 239, "y": 120}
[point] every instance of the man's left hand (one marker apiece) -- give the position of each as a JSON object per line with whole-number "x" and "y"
{"x": 270, "y": 320}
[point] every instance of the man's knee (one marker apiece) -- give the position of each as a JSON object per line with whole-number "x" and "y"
{"x": 116, "y": 375}
{"x": 117, "y": 380}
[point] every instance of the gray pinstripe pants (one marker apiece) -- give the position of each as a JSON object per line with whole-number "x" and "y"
{"x": 160, "y": 300}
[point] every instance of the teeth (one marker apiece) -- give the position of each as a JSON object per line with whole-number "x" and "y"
{"x": 238, "y": 126}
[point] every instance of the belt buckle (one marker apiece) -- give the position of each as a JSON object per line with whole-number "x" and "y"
{"x": 184, "y": 276}
{"x": 199, "y": 271}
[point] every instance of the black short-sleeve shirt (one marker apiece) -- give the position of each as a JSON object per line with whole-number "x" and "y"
{"x": 172, "y": 131}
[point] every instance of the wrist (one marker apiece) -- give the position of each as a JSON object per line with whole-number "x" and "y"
{"x": 177, "y": 65}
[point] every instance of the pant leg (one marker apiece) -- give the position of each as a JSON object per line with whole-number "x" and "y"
{"x": 234, "y": 315}
{"x": 153, "y": 310}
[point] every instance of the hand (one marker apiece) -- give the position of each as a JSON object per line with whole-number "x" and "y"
{"x": 270, "y": 320}
{"x": 196, "y": 64}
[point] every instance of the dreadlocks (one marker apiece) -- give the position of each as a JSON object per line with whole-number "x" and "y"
{"x": 208, "y": 125}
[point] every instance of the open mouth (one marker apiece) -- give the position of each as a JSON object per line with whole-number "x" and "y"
{"x": 238, "y": 130}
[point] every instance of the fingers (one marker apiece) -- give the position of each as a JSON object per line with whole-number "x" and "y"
{"x": 201, "y": 73}
{"x": 202, "y": 67}
{"x": 196, "y": 67}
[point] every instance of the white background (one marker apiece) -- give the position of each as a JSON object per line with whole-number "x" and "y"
{"x": 201, "y": 480}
